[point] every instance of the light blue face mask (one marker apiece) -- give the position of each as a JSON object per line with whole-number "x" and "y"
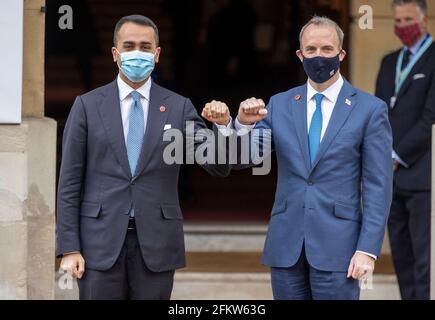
{"x": 137, "y": 65}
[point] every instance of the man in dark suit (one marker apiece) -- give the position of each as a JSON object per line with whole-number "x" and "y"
{"x": 406, "y": 81}
{"x": 118, "y": 208}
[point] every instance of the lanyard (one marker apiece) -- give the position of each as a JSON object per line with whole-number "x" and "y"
{"x": 402, "y": 75}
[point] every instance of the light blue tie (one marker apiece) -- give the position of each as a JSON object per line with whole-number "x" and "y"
{"x": 315, "y": 131}
{"x": 135, "y": 134}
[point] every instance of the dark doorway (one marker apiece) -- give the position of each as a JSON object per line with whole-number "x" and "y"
{"x": 211, "y": 49}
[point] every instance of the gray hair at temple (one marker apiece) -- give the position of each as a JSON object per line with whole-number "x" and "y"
{"x": 421, "y": 4}
{"x": 324, "y": 22}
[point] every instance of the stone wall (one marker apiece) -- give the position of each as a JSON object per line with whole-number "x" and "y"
{"x": 27, "y": 197}
{"x": 28, "y": 179}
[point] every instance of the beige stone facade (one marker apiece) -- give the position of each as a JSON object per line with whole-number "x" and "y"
{"x": 27, "y": 179}
{"x": 33, "y": 72}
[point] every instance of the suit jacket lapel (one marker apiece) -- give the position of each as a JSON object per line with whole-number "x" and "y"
{"x": 110, "y": 113}
{"x": 298, "y": 106}
{"x": 343, "y": 108}
{"x": 155, "y": 125}
{"x": 417, "y": 68}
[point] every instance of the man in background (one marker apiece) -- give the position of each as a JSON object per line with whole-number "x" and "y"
{"x": 406, "y": 82}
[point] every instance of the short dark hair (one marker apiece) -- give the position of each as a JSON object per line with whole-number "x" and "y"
{"x": 138, "y": 19}
{"x": 422, "y": 4}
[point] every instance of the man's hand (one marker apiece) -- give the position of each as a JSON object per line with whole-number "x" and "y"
{"x": 251, "y": 111}
{"x": 217, "y": 112}
{"x": 361, "y": 266}
{"x": 74, "y": 264}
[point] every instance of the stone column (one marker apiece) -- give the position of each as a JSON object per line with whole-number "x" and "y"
{"x": 27, "y": 179}
{"x": 432, "y": 263}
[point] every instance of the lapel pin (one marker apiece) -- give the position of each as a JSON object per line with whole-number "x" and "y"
{"x": 298, "y": 97}
{"x": 162, "y": 109}
{"x": 348, "y": 102}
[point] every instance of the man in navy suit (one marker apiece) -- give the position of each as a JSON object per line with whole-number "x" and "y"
{"x": 333, "y": 145}
{"x": 119, "y": 222}
{"x": 406, "y": 82}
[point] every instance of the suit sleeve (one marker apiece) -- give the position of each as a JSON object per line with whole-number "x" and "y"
{"x": 257, "y": 144}
{"x": 377, "y": 181}
{"x": 206, "y": 141}
{"x": 418, "y": 140}
{"x": 72, "y": 170}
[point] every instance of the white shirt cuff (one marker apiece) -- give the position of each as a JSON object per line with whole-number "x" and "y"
{"x": 368, "y": 254}
{"x": 226, "y": 131}
{"x": 242, "y": 129}
{"x": 399, "y": 160}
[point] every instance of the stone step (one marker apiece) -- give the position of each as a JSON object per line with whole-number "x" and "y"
{"x": 250, "y": 262}
{"x": 213, "y": 236}
{"x": 237, "y": 246}
{"x": 256, "y": 286}
{"x": 242, "y": 286}
{"x": 224, "y": 262}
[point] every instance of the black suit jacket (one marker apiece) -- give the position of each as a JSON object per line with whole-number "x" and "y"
{"x": 96, "y": 188}
{"x": 411, "y": 118}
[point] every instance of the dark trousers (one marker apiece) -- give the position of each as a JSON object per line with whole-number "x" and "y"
{"x": 409, "y": 231}
{"x": 303, "y": 282}
{"x": 128, "y": 279}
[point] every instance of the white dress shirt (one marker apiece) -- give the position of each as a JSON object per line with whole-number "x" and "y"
{"x": 328, "y": 103}
{"x": 126, "y": 102}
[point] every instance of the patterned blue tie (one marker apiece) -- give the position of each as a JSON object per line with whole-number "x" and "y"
{"x": 135, "y": 134}
{"x": 315, "y": 128}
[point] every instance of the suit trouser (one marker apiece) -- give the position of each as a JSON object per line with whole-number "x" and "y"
{"x": 128, "y": 279}
{"x": 409, "y": 231}
{"x": 303, "y": 282}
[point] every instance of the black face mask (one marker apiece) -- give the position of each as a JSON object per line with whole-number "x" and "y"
{"x": 321, "y": 69}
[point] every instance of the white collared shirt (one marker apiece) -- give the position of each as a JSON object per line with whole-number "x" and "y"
{"x": 126, "y": 102}
{"x": 328, "y": 103}
{"x": 414, "y": 49}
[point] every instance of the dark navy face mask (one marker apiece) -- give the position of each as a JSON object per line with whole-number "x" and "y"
{"x": 321, "y": 69}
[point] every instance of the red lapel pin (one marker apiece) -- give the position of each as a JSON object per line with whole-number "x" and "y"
{"x": 162, "y": 109}
{"x": 298, "y": 97}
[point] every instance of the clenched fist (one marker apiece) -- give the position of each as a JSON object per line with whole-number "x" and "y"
{"x": 217, "y": 112}
{"x": 74, "y": 264}
{"x": 251, "y": 111}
